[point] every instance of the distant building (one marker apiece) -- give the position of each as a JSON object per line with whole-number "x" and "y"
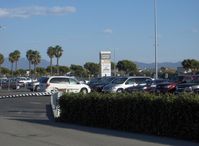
{"x": 105, "y": 63}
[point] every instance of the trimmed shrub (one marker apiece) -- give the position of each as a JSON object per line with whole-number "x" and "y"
{"x": 165, "y": 115}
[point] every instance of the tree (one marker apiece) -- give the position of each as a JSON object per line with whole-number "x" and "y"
{"x": 191, "y": 64}
{"x": 63, "y": 70}
{"x": 5, "y": 71}
{"x": 41, "y": 71}
{"x": 186, "y": 64}
{"x": 29, "y": 57}
{"x": 195, "y": 65}
{"x": 78, "y": 70}
{"x": 113, "y": 68}
{"x": 1, "y": 61}
{"x": 145, "y": 72}
{"x": 127, "y": 66}
{"x": 35, "y": 59}
{"x": 51, "y": 55}
{"x": 58, "y": 54}
{"x": 20, "y": 72}
{"x": 167, "y": 72}
{"x": 54, "y": 70}
{"x": 93, "y": 68}
{"x": 12, "y": 60}
{"x": 16, "y": 57}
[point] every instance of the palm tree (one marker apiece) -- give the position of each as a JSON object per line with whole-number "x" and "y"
{"x": 17, "y": 54}
{"x": 1, "y": 61}
{"x": 190, "y": 64}
{"x": 12, "y": 60}
{"x": 35, "y": 59}
{"x": 29, "y": 57}
{"x": 51, "y": 55}
{"x": 58, "y": 54}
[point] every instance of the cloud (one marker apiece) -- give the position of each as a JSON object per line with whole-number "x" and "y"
{"x": 108, "y": 31}
{"x": 24, "y": 12}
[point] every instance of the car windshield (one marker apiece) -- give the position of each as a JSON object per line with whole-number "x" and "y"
{"x": 159, "y": 81}
{"x": 43, "y": 80}
{"x": 119, "y": 80}
{"x": 95, "y": 80}
{"x": 40, "y": 79}
{"x": 106, "y": 80}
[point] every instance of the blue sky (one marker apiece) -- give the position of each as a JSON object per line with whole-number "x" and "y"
{"x": 85, "y": 27}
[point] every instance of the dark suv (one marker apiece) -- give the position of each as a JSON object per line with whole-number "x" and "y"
{"x": 189, "y": 86}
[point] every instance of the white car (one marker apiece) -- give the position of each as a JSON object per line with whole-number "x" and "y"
{"x": 121, "y": 83}
{"x": 34, "y": 86}
{"x": 23, "y": 81}
{"x": 62, "y": 83}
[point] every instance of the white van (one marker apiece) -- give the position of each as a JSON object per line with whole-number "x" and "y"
{"x": 62, "y": 83}
{"x": 121, "y": 83}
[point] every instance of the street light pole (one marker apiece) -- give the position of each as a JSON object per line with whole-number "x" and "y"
{"x": 155, "y": 29}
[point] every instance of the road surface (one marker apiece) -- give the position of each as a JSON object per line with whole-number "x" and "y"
{"x": 27, "y": 121}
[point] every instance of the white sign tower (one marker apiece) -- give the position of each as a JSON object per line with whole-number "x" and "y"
{"x": 105, "y": 63}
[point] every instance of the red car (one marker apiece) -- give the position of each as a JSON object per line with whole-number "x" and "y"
{"x": 166, "y": 87}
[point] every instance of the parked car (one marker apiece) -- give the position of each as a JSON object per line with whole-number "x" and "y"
{"x": 121, "y": 83}
{"x": 3, "y": 83}
{"x": 189, "y": 86}
{"x": 101, "y": 83}
{"x": 34, "y": 85}
{"x": 62, "y": 83}
{"x": 10, "y": 83}
{"x": 93, "y": 82}
{"x": 23, "y": 81}
{"x": 166, "y": 87}
{"x": 138, "y": 88}
{"x": 146, "y": 86}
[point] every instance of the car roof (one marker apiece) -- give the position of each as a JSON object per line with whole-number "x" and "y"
{"x": 139, "y": 77}
{"x": 61, "y": 77}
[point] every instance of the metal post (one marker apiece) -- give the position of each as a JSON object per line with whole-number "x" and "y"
{"x": 155, "y": 29}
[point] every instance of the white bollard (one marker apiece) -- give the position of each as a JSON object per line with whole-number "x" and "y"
{"x": 55, "y": 104}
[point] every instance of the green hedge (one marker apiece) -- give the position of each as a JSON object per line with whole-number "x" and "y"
{"x": 165, "y": 115}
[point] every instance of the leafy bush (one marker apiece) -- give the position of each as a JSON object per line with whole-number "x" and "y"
{"x": 166, "y": 115}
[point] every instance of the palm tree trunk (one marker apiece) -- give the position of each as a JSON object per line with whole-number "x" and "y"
{"x": 57, "y": 65}
{"x": 16, "y": 65}
{"x": 12, "y": 69}
{"x": 51, "y": 70}
{"x": 29, "y": 67}
{"x": 34, "y": 70}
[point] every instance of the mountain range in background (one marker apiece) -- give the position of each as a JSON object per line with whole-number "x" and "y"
{"x": 173, "y": 65}
{"x": 23, "y": 64}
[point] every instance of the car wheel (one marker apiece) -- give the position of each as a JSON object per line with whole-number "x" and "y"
{"x": 84, "y": 91}
{"x": 119, "y": 90}
{"x": 17, "y": 87}
{"x": 37, "y": 88}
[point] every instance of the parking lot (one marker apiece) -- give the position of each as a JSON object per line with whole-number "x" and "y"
{"x": 20, "y": 87}
{"x": 28, "y": 121}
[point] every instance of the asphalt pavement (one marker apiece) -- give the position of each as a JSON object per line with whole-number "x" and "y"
{"x": 28, "y": 121}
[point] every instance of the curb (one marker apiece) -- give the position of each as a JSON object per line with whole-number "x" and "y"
{"x": 27, "y": 95}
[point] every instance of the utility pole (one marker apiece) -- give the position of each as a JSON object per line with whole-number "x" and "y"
{"x": 155, "y": 31}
